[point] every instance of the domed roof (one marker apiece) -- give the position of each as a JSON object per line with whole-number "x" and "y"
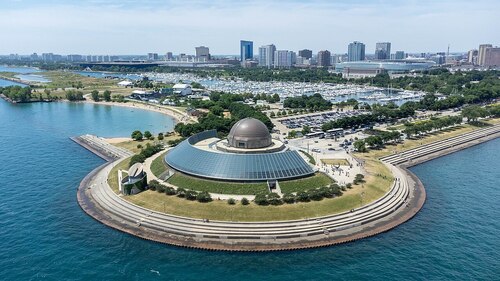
{"x": 249, "y": 133}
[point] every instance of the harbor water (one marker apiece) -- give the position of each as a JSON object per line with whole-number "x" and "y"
{"x": 44, "y": 235}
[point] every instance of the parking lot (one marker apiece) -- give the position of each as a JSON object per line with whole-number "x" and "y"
{"x": 315, "y": 121}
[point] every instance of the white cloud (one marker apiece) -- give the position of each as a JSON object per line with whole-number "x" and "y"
{"x": 107, "y": 28}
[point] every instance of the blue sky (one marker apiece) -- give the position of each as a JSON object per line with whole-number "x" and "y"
{"x": 138, "y": 27}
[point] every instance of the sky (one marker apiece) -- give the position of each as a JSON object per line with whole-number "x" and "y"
{"x": 119, "y": 27}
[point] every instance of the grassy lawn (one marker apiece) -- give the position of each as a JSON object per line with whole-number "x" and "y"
{"x": 315, "y": 181}
{"x": 432, "y": 137}
{"x": 157, "y": 166}
{"x": 341, "y": 162}
{"x": 188, "y": 182}
{"x": 374, "y": 188}
{"x": 311, "y": 159}
{"x": 113, "y": 175}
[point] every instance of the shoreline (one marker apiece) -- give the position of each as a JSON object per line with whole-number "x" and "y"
{"x": 176, "y": 115}
{"x": 171, "y": 231}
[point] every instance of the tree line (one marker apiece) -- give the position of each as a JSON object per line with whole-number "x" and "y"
{"x": 215, "y": 119}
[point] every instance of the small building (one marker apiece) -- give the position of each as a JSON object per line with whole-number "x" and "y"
{"x": 182, "y": 89}
{"x": 136, "y": 181}
{"x": 125, "y": 84}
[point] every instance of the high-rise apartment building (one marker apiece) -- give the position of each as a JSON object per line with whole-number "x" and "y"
{"x": 383, "y": 51}
{"x": 356, "y": 51}
{"x": 481, "y": 55}
{"x": 284, "y": 58}
{"x": 472, "y": 56}
{"x": 152, "y": 56}
{"x": 492, "y": 56}
{"x": 169, "y": 56}
{"x": 399, "y": 55}
{"x": 246, "y": 50}
{"x": 266, "y": 55}
{"x": 324, "y": 58}
{"x": 202, "y": 52}
{"x": 307, "y": 54}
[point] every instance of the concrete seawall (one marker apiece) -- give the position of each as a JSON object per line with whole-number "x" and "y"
{"x": 401, "y": 203}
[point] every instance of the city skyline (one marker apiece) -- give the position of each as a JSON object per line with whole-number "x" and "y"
{"x": 118, "y": 27}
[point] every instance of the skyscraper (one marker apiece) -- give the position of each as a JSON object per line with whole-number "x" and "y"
{"x": 324, "y": 58}
{"x": 481, "y": 56}
{"x": 169, "y": 56}
{"x": 383, "y": 51}
{"x": 472, "y": 56}
{"x": 202, "y": 52}
{"x": 492, "y": 56}
{"x": 266, "y": 55}
{"x": 356, "y": 51}
{"x": 399, "y": 55}
{"x": 246, "y": 50}
{"x": 152, "y": 56}
{"x": 283, "y": 58}
{"x": 307, "y": 54}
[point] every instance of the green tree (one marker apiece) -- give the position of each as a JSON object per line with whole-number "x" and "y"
{"x": 95, "y": 95}
{"x": 137, "y": 135}
{"x": 147, "y": 134}
{"x": 360, "y": 146}
{"x": 107, "y": 95}
{"x": 474, "y": 112}
{"x": 306, "y": 130}
{"x": 160, "y": 136}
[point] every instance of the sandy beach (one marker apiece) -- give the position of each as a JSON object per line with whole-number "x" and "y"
{"x": 172, "y": 112}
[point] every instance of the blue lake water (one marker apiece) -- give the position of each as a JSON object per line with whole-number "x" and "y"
{"x": 19, "y": 69}
{"x": 6, "y": 83}
{"x": 45, "y": 236}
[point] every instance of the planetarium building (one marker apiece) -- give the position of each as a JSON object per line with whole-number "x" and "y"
{"x": 248, "y": 154}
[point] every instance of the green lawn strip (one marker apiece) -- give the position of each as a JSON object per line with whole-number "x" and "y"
{"x": 315, "y": 181}
{"x": 341, "y": 162}
{"x": 311, "y": 159}
{"x": 157, "y": 166}
{"x": 188, "y": 182}
{"x": 113, "y": 175}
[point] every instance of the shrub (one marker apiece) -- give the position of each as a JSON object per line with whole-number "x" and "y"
{"x": 359, "y": 179}
{"x": 139, "y": 146}
{"x": 326, "y": 192}
{"x": 315, "y": 195}
{"x": 170, "y": 190}
{"x": 336, "y": 189}
{"x": 231, "y": 201}
{"x": 261, "y": 199}
{"x": 348, "y": 185}
{"x": 181, "y": 192}
{"x": 274, "y": 199}
{"x": 203, "y": 197}
{"x": 244, "y": 201}
{"x": 160, "y": 188}
{"x": 191, "y": 195}
{"x": 303, "y": 196}
{"x": 289, "y": 198}
{"x": 153, "y": 184}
